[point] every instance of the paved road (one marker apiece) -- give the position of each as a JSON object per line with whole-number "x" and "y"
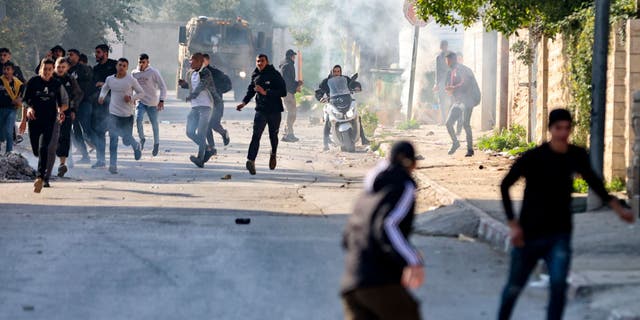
{"x": 158, "y": 240}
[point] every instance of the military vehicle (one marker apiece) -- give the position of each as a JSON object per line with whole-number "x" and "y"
{"x": 231, "y": 45}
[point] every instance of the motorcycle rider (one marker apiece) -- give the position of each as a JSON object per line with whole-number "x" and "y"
{"x": 324, "y": 89}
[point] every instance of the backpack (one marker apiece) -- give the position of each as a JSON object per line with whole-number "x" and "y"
{"x": 221, "y": 80}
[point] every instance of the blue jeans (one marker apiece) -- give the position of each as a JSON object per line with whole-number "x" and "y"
{"x": 120, "y": 127}
{"x": 556, "y": 252}
{"x": 215, "y": 123}
{"x": 7, "y": 125}
{"x": 99, "y": 126}
{"x": 198, "y": 126}
{"x": 152, "y": 112}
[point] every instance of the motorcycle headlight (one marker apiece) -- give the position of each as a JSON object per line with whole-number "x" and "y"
{"x": 242, "y": 74}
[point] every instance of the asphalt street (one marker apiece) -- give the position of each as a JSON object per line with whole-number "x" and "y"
{"x": 159, "y": 239}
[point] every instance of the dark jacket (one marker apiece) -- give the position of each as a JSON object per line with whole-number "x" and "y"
{"x": 376, "y": 236}
{"x": 288, "y": 70}
{"x": 442, "y": 69}
{"x": 270, "y": 80}
{"x": 206, "y": 83}
{"x": 73, "y": 91}
{"x": 17, "y": 72}
{"x": 84, "y": 76}
{"x": 466, "y": 88}
{"x": 100, "y": 74}
{"x": 220, "y": 80}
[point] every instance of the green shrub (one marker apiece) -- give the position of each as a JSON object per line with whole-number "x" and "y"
{"x": 580, "y": 186}
{"x": 369, "y": 120}
{"x": 409, "y": 125}
{"x": 513, "y": 141}
{"x": 616, "y": 185}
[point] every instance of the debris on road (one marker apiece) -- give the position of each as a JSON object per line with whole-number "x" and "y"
{"x": 28, "y": 308}
{"x": 243, "y": 221}
{"x": 465, "y": 238}
{"x": 14, "y": 166}
{"x": 226, "y": 177}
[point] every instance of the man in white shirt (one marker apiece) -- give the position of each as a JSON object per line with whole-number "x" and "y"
{"x": 121, "y": 86}
{"x": 201, "y": 90}
{"x": 151, "y": 81}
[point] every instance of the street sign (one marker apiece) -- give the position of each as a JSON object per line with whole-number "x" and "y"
{"x": 411, "y": 15}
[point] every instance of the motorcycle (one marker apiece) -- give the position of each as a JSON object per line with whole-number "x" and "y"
{"x": 341, "y": 113}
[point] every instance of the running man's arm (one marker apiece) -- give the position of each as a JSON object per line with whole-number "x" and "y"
{"x": 399, "y": 243}
{"x": 63, "y": 99}
{"x": 161, "y": 85}
{"x": 251, "y": 92}
{"x": 202, "y": 85}
{"x": 104, "y": 90}
{"x": 587, "y": 173}
{"x": 78, "y": 95}
{"x": 139, "y": 91}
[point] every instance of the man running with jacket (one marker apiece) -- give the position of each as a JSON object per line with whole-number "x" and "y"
{"x": 381, "y": 264}
{"x": 543, "y": 229}
{"x": 268, "y": 87}
{"x": 151, "y": 81}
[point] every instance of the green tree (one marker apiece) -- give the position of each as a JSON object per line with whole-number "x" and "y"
{"x": 30, "y": 28}
{"x": 91, "y": 20}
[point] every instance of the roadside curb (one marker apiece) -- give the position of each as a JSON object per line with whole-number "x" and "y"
{"x": 490, "y": 229}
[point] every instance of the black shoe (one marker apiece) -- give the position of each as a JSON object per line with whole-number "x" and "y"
{"x": 46, "y": 184}
{"x": 98, "y": 165}
{"x": 226, "y": 139}
{"x": 196, "y": 161}
{"x": 251, "y": 166}
{"x": 273, "y": 161}
{"x": 137, "y": 153}
{"x": 62, "y": 169}
{"x": 209, "y": 153}
{"x": 18, "y": 139}
{"x": 454, "y": 147}
{"x": 84, "y": 161}
{"x": 113, "y": 169}
{"x": 155, "y": 149}
{"x": 142, "y": 141}
{"x": 469, "y": 153}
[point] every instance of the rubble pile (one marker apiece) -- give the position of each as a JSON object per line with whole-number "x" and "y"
{"x": 14, "y": 166}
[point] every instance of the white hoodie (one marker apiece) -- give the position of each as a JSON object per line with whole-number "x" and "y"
{"x": 151, "y": 81}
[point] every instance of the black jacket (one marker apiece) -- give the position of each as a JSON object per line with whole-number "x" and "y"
{"x": 288, "y": 71}
{"x": 73, "y": 91}
{"x": 84, "y": 76}
{"x": 100, "y": 74}
{"x": 376, "y": 236}
{"x": 270, "y": 80}
{"x": 466, "y": 87}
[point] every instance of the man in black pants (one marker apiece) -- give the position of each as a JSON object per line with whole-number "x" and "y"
{"x": 543, "y": 229}
{"x": 463, "y": 88}
{"x": 268, "y": 86}
{"x": 100, "y": 112}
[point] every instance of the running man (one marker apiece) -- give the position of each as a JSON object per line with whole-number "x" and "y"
{"x": 151, "y": 81}
{"x": 201, "y": 92}
{"x": 100, "y": 112}
{"x": 46, "y": 101}
{"x": 543, "y": 229}
{"x": 122, "y": 85}
{"x": 269, "y": 88}
{"x": 381, "y": 264}
{"x": 62, "y": 132}
{"x": 223, "y": 84}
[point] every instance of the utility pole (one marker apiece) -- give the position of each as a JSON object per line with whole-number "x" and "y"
{"x": 412, "y": 79}
{"x": 598, "y": 95}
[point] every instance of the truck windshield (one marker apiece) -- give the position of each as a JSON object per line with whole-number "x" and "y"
{"x": 237, "y": 35}
{"x": 208, "y": 35}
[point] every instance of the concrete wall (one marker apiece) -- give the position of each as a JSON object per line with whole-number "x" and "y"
{"x": 157, "y": 39}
